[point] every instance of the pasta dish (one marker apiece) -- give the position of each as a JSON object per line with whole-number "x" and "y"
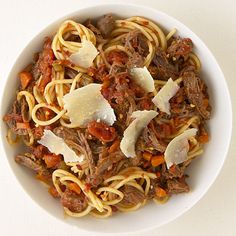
{"x": 111, "y": 112}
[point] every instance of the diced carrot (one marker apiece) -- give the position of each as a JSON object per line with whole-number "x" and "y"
{"x": 25, "y": 78}
{"x": 204, "y": 138}
{"x": 147, "y": 156}
{"x": 52, "y": 190}
{"x": 43, "y": 178}
{"x": 24, "y": 125}
{"x": 52, "y": 160}
{"x": 205, "y": 102}
{"x": 160, "y": 192}
{"x": 114, "y": 146}
{"x": 157, "y": 160}
{"x": 74, "y": 187}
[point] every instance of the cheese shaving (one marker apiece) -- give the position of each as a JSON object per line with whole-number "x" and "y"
{"x": 87, "y": 104}
{"x": 143, "y": 78}
{"x": 161, "y": 100}
{"x": 131, "y": 134}
{"x": 58, "y": 146}
{"x": 177, "y": 150}
{"x": 85, "y": 56}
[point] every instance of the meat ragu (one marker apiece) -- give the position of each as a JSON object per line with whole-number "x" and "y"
{"x": 94, "y": 127}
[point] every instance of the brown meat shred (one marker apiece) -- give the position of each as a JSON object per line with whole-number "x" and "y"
{"x": 77, "y": 141}
{"x": 106, "y": 167}
{"x": 43, "y": 66}
{"x": 120, "y": 93}
{"x": 135, "y": 41}
{"x": 106, "y": 24}
{"x": 151, "y": 141}
{"x": 164, "y": 70}
{"x": 154, "y": 183}
{"x": 30, "y": 161}
{"x": 13, "y": 117}
{"x": 177, "y": 186}
{"x": 132, "y": 196}
{"x": 176, "y": 171}
{"x": 24, "y": 110}
{"x": 135, "y": 60}
{"x": 180, "y": 48}
{"x": 88, "y": 23}
{"x": 196, "y": 91}
{"x": 74, "y": 202}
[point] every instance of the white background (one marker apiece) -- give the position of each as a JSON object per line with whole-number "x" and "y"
{"x": 214, "y": 22}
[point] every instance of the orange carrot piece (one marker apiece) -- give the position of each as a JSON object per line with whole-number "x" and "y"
{"x": 160, "y": 192}
{"x": 43, "y": 178}
{"x": 205, "y": 102}
{"x": 25, "y": 78}
{"x": 74, "y": 187}
{"x": 157, "y": 160}
{"x": 52, "y": 160}
{"x": 147, "y": 156}
{"x": 204, "y": 138}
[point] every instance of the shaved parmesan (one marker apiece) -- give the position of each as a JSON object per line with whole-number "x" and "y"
{"x": 131, "y": 134}
{"x": 177, "y": 150}
{"x": 143, "y": 78}
{"x": 86, "y": 104}
{"x": 58, "y": 146}
{"x": 85, "y": 56}
{"x": 161, "y": 100}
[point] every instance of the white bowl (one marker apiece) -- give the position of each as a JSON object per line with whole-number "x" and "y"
{"x": 203, "y": 170}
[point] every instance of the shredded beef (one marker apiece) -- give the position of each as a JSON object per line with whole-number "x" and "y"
{"x": 151, "y": 141}
{"x": 13, "y": 117}
{"x": 74, "y": 202}
{"x": 24, "y": 110}
{"x": 135, "y": 41}
{"x": 176, "y": 171}
{"x": 38, "y": 151}
{"x": 180, "y": 48}
{"x": 196, "y": 91}
{"x": 43, "y": 66}
{"x": 165, "y": 70}
{"x": 117, "y": 68}
{"x": 132, "y": 196}
{"x": 88, "y": 23}
{"x": 66, "y": 134}
{"x": 152, "y": 190}
{"x": 30, "y": 161}
{"x": 177, "y": 186}
{"x": 106, "y": 167}
{"x": 105, "y": 25}
{"x": 77, "y": 141}
{"x": 135, "y": 60}
{"x": 120, "y": 93}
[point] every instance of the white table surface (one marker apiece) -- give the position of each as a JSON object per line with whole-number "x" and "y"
{"x": 214, "y": 22}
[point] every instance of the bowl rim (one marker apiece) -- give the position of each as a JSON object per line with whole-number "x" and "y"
{"x": 172, "y": 19}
